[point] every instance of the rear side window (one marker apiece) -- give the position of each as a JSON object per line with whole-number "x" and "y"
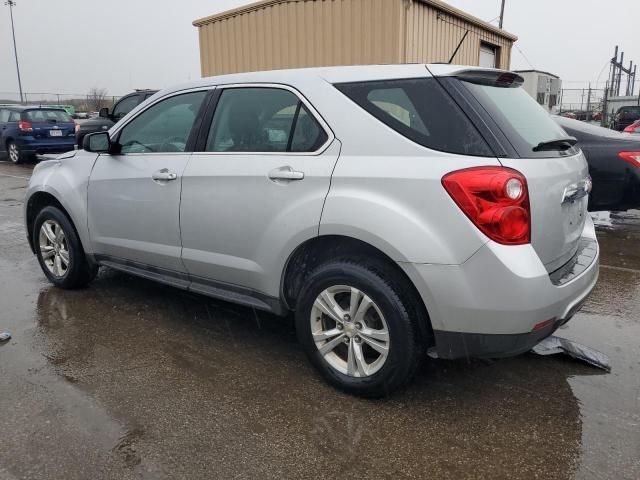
{"x": 47, "y": 116}
{"x": 261, "y": 119}
{"x": 422, "y": 111}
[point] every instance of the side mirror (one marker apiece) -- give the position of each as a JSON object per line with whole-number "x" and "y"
{"x": 104, "y": 112}
{"x": 98, "y": 142}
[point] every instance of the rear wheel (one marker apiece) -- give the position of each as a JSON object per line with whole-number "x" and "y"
{"x": 356, "y": 329}
{"x": 14, "y": 153}
{"x": 59, "y": 250}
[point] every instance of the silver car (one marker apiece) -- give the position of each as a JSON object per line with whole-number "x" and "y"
{"x": 394, "y": 209}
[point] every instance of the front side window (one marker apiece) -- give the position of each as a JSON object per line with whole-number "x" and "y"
{"x": 125, "y": 105}
{"x": 421, "y": 110}
{"x": 4, "y": 116}
{"x": 163, "y": 127}
{"x": 261, "y": 119}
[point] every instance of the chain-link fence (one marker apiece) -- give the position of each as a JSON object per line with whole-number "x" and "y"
{"x": 585, "y": 103}
{"x": 81, "y": 102}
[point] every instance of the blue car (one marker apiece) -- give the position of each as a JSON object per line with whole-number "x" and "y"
{"x": 26, "y": 131}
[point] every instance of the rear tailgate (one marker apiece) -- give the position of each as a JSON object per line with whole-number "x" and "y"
{"x": 557, "y": 221}
{"x": 529, "y": 141}
{"x": 50, "y": 124}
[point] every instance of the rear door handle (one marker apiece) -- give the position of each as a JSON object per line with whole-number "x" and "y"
{"x": 164, "y": 175}
{"x": 285, "y": 173}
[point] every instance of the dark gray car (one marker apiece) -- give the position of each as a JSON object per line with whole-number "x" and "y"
{"x": 108, "y": 119}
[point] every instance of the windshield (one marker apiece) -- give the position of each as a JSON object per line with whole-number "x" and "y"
{"x": 44, "y": 115}
{"x": 525, "y": 123}
{"x": 629, "y": 112}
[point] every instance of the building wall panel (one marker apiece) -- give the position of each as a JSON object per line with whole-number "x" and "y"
{"x": 302, "y": 33}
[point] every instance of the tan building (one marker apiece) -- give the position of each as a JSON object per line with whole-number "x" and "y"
{"x": 275, "y": 34}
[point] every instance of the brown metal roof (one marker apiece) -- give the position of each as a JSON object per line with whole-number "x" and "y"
{"x": 437, "y": 4}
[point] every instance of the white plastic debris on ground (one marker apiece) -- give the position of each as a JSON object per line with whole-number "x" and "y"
{"x": 553, "y": 345}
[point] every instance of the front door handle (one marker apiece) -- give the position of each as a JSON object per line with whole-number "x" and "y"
{"x": 285, "y": 173}
{"x": 164, "y": 175}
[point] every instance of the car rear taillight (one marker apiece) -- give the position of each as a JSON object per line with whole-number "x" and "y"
{"x": 495, "y": 199}
{"x": 25, "y": 126}
{"x": 631, "y": 128}
{"x": 632, "y": 157}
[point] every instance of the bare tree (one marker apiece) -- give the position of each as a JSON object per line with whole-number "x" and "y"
{"x": 97, "y": 98}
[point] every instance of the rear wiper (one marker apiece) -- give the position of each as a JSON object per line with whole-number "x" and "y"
{"x": 557, "y": 144}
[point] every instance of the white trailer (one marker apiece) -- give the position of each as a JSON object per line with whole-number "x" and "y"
{"x": 544, "y": 87}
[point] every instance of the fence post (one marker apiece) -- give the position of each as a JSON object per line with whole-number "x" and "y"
{"x": 605, "y": 101}
{"x": 588, "y": 116}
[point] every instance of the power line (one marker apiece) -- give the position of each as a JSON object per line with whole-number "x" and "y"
{"x": 524, "y": 56}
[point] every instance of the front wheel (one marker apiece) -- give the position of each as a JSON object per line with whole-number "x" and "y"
{"x": 59, "y": 250}
{"x": 356, "y": 329}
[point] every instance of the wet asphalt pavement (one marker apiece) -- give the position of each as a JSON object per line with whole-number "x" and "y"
{"x": 130, "y": 379}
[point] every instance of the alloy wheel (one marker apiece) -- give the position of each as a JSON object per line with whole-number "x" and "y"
{"x": 14, "y": 154}
{"x": 350, "y": 331}
{"x": 54, "y": 248}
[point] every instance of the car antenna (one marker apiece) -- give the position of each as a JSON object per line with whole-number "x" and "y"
{"x": 458, "y": 47}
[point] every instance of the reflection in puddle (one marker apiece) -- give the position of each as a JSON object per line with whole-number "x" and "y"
{"x": 236, "y": 384}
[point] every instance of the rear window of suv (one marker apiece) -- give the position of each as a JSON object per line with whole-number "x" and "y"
{"x": 523, "y": 121}
{"x": 47, "y": 116}
{"x": 421, "y": 110}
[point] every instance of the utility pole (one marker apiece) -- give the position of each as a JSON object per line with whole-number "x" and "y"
{"x": 12, "y": 4}
{"x": 605, "y": 105}
{"x": 619, "y": 77}
{"x": 613, "y": 70}
{"x": 502, "y": 13}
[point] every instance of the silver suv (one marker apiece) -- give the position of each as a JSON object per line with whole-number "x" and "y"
{"x": 394, "y": 209}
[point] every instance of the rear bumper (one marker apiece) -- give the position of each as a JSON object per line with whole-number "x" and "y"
{"x": 62, "y": 145}
{"x": 481, "y": 345}
{"x": 493, "y": 304}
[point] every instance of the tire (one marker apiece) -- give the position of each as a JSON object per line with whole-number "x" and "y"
{"x": 389, "y": 312}
{"x": 52, "y": 249}
{"x": 13, "y": 153}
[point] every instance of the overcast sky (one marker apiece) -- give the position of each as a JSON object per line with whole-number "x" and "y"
{"x": 69, "y": 46}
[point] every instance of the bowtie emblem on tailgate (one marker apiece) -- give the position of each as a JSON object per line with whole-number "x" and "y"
{"x": 577, "y": 190}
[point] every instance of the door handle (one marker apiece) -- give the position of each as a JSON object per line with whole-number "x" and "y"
{"x": 164, "y": 175}
{"x": 285, "y": 173}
